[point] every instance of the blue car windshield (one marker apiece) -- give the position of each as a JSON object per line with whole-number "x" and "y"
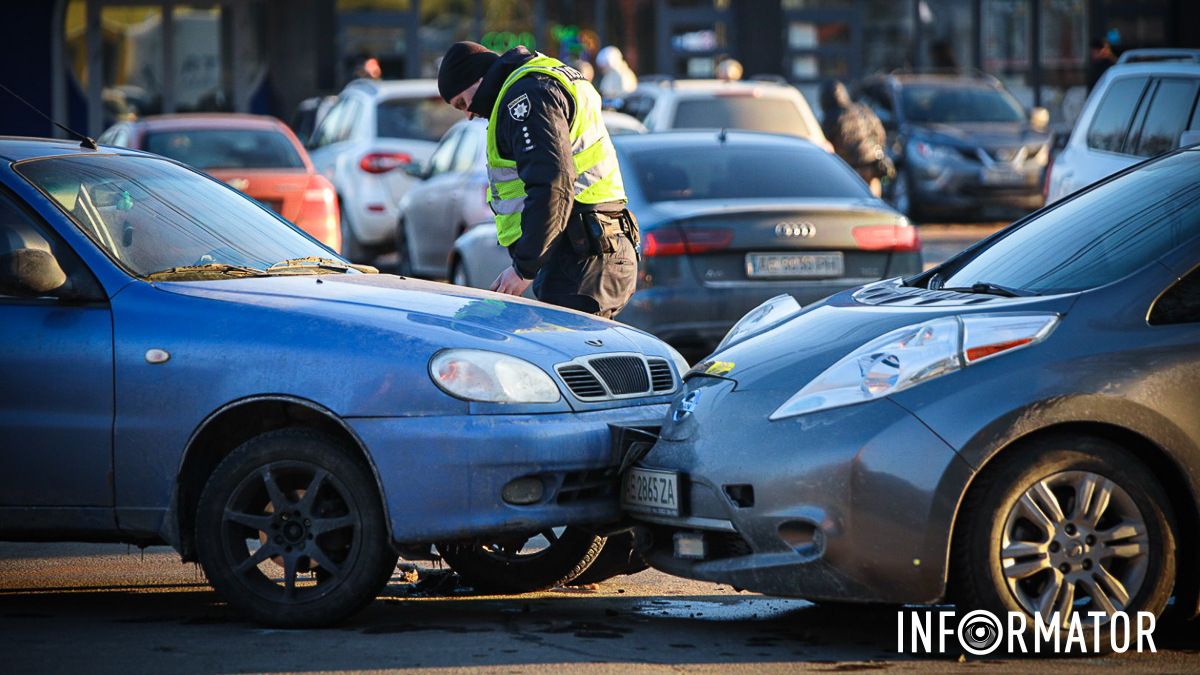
{"x": 1095, "y": 238}
{"x": 950, "y": 104}
{"x": 151, "y": 215}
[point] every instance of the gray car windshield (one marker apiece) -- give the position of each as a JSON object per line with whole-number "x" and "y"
{"x": 943, "y": 104}
{"x": 730, "y": 172}
{"x": 1094, "y": 239}
{"x": 152, "y": 215}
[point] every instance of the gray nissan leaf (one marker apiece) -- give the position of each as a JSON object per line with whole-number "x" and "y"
{"x": 1017, "y": 429}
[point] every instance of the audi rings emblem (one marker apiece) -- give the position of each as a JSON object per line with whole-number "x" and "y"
{"x": 796, "y": 229}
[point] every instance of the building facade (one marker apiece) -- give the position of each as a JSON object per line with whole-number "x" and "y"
{"x": 91, "y": 62}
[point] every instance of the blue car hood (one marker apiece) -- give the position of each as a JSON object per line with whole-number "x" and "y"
{"x": 478, "y": 316}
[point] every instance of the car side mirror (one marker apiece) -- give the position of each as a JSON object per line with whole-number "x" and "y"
{"x": 415, "y": 169}
{"x": 30, "y": 273}
{"x": 1039, "y": 119}
{"x": 1189, "y": 138}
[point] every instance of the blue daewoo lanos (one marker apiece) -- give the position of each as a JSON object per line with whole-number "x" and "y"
{"x": 182, "y": 366}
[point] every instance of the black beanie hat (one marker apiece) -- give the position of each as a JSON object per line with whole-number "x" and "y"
{"x": 463, "y": 64}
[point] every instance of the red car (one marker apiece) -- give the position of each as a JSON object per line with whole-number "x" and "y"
{"x": 256, "y": 154}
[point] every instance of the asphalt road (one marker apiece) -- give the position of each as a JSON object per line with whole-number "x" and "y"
{"x": 104, "y": 608}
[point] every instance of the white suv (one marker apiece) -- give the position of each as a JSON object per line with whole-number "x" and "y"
{"x": 1143, "y": 106}
{"x": 718, "y": 104}
{"x": 363, "y": 144}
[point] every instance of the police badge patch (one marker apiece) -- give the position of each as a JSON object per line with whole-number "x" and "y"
{"x": 519, "y": 108}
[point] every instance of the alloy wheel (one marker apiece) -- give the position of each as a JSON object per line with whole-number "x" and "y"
{"x": 290, "y": 529}
{"x": 1074, "y": 541}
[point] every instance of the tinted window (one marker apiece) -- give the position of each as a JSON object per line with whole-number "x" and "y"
{"x": 724, "y": 172}
{"x": 469, "y": 150}
{"x": 1181, "y": 302}
{"x": 226, "y": 148}
{"x": 443, "y": 154}
{"x": 149, "y": 214}
{"x": 773, "y": 115}
{"x": 20, "y": 230}
{"x": 331, "y": 125}
{"x": 946, "y": 104}
{"x": 425, "y": 119}
{"x": 1096, "y": 238}
{"x": 1112, "y": 116}
{"x": 1167, "y": 117}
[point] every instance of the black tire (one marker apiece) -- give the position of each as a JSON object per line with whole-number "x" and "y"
{"x": 458, "y": 274}
{"x": 500, "y": 567}
{"x": 263, "y": 493}
{"x": 618, "y": 557}
{"x": 1077, "y": 556}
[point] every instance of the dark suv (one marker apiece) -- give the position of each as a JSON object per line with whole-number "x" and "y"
{"x": 962, "y": 144}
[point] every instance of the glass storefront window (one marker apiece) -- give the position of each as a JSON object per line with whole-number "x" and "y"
{"x": 887, "y": 35}
{"x": 1064, "y": 57}
{"x": 1007, "y": 45}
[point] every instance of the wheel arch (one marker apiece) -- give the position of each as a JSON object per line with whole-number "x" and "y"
{"x": 235, "y": 423}
{"x": 1162, "y": 465}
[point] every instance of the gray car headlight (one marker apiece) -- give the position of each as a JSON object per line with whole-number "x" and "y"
{"x": 491, "y": 377}
{"x": 762, "y": 318}
{"x": 914, "y": 354}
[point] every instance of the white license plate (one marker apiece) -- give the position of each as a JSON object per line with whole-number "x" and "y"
{"x": 1003, "y": 177}
{"x": 648, "y": 491}
{"x": 795, "y": 265}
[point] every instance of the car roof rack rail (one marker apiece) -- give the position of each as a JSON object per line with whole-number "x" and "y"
{"x": 768, "y": 77}
{"x": 1146, "y": 55}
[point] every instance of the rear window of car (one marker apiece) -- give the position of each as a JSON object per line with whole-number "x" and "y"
{"x": 730, "y": 172}
{"x": 422, "y": 119}
{"x": 1095, "y": 238}
{"x": 226, "y": 148}
{"x": 1111, "y": 120}
{"x": 772, "y": 115}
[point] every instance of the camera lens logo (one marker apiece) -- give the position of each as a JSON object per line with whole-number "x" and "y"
{"x": 979, "y": 632}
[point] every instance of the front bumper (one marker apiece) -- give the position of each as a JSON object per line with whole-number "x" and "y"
{"x": 442, "y": 477}
{"x": 953, "y": 189}
{"x": 850, "y": 504}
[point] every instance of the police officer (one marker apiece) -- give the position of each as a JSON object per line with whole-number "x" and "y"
{"x": 554, "y": 184}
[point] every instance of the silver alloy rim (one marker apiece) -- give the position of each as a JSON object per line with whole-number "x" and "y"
{"x": 1074, "y": 542}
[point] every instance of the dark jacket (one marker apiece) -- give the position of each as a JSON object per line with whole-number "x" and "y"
{"x": 538, "y": 138}
{"x": 854, "y": 130}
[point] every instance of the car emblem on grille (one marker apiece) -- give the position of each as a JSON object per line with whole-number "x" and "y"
{"x": 594, "y": 342}
{"x": 686, "y": 406}
{"x": 796, "y": 229}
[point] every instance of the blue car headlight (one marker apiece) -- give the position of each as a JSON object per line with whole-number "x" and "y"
{"x": 491, "y": 377}
{"x": 914, "y": 354}
{"x": 760, "y": 319}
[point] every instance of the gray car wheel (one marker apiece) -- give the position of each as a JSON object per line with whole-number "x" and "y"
{"x": 351, "y": 249}
{"x": 1066, "y": 525}
{"x": 458, "y": 274}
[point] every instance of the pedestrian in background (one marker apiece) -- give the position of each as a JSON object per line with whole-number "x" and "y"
{"x": 617, "y": 79}
{"x": 554, "y": 182}
{"x": 1100, "y": 57}
{"x": 857, "y": 135}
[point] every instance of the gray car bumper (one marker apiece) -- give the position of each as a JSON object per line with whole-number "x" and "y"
{"x": 852, "y": 504}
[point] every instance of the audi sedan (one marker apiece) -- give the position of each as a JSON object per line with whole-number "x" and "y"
{"x": 728, "y": 220}
{"x": 182, "y": 366}
{"x": 1013, "y": 430}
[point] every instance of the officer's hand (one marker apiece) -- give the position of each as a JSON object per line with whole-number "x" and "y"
{"x": 510, "y": 282}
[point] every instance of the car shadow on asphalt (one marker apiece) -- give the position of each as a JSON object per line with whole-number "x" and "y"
{"x": 436, "y": 622}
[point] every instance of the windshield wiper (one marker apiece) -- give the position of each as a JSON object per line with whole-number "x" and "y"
{"x": 207, "y": 270}
{"x": 988, "y": 288}
{"x": 311, "y": 262}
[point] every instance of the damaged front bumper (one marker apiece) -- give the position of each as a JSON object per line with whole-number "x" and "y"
{"x": 444, "y": 478}
{"x": 849, "y": 504}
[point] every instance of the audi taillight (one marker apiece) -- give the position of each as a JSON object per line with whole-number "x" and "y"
{"x": 673, "y": 241}
{"x": 382, "y": 162}
{"x": 887, "y": 238}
